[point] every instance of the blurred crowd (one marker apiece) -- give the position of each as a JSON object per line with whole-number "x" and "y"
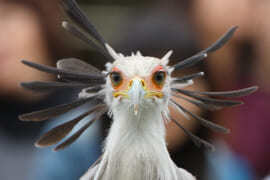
{"x": 31, "y": 30}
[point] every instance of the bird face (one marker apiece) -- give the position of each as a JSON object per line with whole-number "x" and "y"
{"x": 138, "y": 81}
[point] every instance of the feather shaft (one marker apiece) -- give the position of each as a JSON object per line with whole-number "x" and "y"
{"x": 75, "y": 13}
{"x": 221, "y": 41}
{"x": 197, "y": 141}
{"x": 203, "y": 121}
{"x": 77, "y": 65}
{"x": 76, "y": 135}
{"x": 77, "y": 33}
{"x": 235, "y": 93}
{"x": 98, "y": 78}
{"x": 47, "y": 86}
{"x": 218, "y": 102}
{"x": 203, "y": 54}
{"x": 200, "y": 104}
{"x": 184, "y": 79}
{"x": 189, "y": 61}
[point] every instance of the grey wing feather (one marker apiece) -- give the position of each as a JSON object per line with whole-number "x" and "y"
{"x": 186, "y": 78}
{"x": 77, "y": 33}
{"x": 60, "y": 132}
{"x": 235, "y": 93}
{"x": 77, "y": 134}
{"x": 76, "y": 65}
{"x": 203, "y": 54}
{"x": 75, "y": 13}
{"x": 48, "y": 86}
{"x": 55, "y": 111}
{"x": 64, "y": 73}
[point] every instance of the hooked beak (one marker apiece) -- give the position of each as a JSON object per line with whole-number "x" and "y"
{"x": 137, "y": 91}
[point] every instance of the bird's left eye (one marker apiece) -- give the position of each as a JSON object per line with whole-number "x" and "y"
{"x": 159, "y": 78}
{"x": 116, "y": 78}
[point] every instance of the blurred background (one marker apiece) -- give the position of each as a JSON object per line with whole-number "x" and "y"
{"x": 31, "y": 30}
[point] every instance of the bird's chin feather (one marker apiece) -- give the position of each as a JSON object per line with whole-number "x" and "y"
{"x": 125, "y": 105}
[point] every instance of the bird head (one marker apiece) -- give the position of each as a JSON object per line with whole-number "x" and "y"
{"x": 138, "y": 82}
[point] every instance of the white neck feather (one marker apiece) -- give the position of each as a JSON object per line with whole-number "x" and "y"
{"x": 135, "y": 147}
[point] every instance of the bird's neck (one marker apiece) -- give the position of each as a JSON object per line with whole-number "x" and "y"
{"x": 127, "y": 128}
{"x": 137, "y": 144}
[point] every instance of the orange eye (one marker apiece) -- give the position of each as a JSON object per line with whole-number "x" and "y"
{"x": 159, "y": 78}
{"x": 116, "y": 78}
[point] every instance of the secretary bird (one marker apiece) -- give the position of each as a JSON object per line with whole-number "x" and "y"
{"x": 136, "y": 91}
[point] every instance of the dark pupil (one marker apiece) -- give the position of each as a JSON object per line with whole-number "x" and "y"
{"x": 159, "y": 77}
{"x": 116, "y": 78}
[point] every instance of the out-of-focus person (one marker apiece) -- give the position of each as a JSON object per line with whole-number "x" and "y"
{"x": 245, "y": 153}
{"x": 29, "y": 30}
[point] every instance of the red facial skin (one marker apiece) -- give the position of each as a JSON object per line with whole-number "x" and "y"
{"x": 149, "y": 83}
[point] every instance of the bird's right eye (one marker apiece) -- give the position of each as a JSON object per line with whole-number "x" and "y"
{"x": 116, "y": 78}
